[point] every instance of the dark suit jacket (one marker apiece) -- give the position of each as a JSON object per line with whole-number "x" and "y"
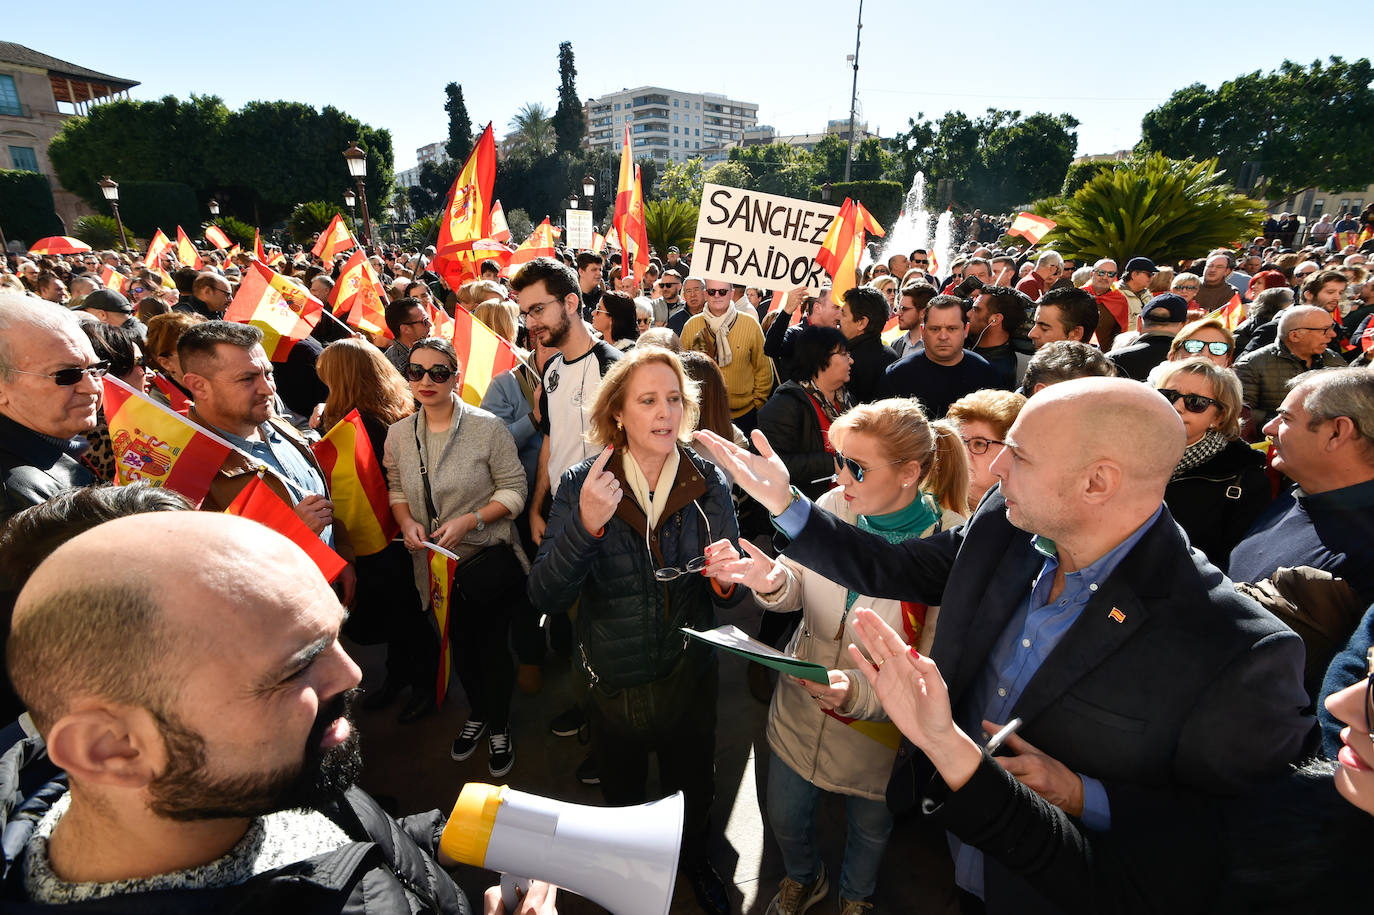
{"x": 1196, "y": 689}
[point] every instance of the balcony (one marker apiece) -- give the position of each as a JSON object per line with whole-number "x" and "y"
{"x": 651, "y": 100}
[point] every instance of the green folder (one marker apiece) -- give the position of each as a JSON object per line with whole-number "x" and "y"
{"x": 736, "y": 641}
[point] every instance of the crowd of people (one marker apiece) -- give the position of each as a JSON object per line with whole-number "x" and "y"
{"x": 1086, "y": 548}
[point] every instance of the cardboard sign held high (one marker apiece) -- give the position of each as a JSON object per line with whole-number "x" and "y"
{"x": 762, "y": 240}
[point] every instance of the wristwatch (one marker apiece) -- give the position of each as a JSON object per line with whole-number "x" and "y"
{"x": 796, "y": 497}
{"x": 481, "y": 525}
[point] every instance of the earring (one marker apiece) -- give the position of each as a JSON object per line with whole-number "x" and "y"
{"x": 619, "y": 426}
{"x": 905, "y": 485}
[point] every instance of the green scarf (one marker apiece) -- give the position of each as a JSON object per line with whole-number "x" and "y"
{"x": 894, "y": 527}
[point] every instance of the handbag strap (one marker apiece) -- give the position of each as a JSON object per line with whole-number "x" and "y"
{"x": 424, "y": 472}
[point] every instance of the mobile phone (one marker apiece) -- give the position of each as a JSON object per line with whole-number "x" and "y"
{"x": 1008, "y": 729}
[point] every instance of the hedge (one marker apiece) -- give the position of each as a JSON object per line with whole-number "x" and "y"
{"x": 27, "y": 212}
{"x": 881, "y": 198}
{"x": 146, "y": 206}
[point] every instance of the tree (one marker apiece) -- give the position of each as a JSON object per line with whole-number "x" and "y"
{"x": 670, "y": 223}
{"x": 1165, "y": 209}
{"x": 730, "y": 174}
{"x": 569, "y": 121}
{"x": 532, "y": 134}
{"x": 313, "y": 217}
{"x": 459, "y": 143}
{"x": 98, "y": 231}
{"x": 682, "y": 181}
{"x": 1305, "y": 127}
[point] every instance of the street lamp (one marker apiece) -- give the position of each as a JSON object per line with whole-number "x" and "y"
{"x": 351, "y": 201}
{"x": 214, "y": 206}
{"x": 573, "y": 202}
{"x": 391, "y": 218}
{"x": 827, "y": 192}
{"x": 588, "y": 186}
{"x": 111, "y": 191}
{"x": 357, "y": 167}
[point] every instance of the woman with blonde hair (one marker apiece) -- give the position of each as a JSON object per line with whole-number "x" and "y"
{"x": 1206, "y": 337}
{"x": 388, "y": 607}
{"x": 1219, "y": 487}
{"x": 982, "y": 420}
{"x": 898, "y": 475}
{"x": 627, "y": 540}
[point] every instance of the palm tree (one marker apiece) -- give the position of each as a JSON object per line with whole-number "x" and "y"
{"x": 532, "y": 133}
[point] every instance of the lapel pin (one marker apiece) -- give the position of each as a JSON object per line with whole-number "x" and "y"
{"x": 1116, "y": 616}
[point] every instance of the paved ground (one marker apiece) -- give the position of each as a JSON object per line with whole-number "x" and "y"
{"x": 411, "y": 765}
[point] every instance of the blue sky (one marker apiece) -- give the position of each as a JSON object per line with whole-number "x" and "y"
{"x": 1105, "y": 65}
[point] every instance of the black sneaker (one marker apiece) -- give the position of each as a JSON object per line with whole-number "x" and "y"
{"x": 568, "y": 723}
{"x": 502, "y": 753}
{"x": 589, "y": 773}
{"x": 708, "y": 887}
{"x": 465, "y": 744}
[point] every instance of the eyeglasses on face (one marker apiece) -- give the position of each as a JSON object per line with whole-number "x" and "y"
{"x": 1369, "y": 693}
{"x": 855, "y": 469}
{"x": 439, "y": 374}
{"x": 693, "y": 566}
{"x": 1187, "y": 287}
{"x": 425, "y": 321}
{"x": 1193, "y": 403}
{"x": 65, "y": 378}
{"x": 980, "y": 445}
{"x": 1106, "y": 273}
{"x": 1324, "y": 329}
{"x": 718, "y": 292}
{"x": 919, "y": 263}
{"x": 536, "y": 310}
{"x": 1215, "y": 347}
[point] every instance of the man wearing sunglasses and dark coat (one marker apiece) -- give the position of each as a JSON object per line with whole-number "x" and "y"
{"x": 1161, "y": 321}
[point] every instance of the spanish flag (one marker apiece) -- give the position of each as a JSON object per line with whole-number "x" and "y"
{"x": 441, "y": 321}
{"x": 186, "y": 252}
{"x": 482, "y": 352}
{"x": 500, "y": 231}
{"x": 112, "y": 278}
{"x": 334, "y": 240}
{"x": 154, "y": 444}
{"x": 467, "y": 213}
{"x": 1031, "y": 227}
{"x": 357, "y": 485}
{"x": 215, "y": 236}
{"x": 442, "y": 565}
{"x": 178, "y": 401}
{"x": 259, "y": 503}
{"x": 539, "y": 244}
{"x": 1231, "y": 314}
{"x": 158, "y": 248}
{"x": 838, "y": 255}
{"x": 283, "y": 311}
{"x": 261, "y": 254}
{"x": 628, "y": 218}
{"x": 598, "y": 242}
{"x": 359, "y": 293}
{"x": 891, "y": 331}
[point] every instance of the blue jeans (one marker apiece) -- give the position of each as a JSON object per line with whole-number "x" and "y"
{"x": 792, "y": 804}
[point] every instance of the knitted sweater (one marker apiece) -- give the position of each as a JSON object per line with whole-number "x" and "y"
{"x": 749, "y": 376}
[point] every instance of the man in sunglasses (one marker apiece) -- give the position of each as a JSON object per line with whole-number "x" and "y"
{"x": 734, "y": 340}
{"x": 1113, "y": 311}
{"x": 409, "y": 323}
{"x": 1305, "y": 334}
{"x": 1161, "y": 321}
{"x": 669, "y": 301}
{"x": 49, "y": 393}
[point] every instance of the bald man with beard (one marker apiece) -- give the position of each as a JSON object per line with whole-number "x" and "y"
{"x": 202, "y": 721}
{"x": 1071, "y": 600}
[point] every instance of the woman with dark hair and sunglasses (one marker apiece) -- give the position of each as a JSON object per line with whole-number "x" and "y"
{"x": 898, "y": 476}
{"x": 798, "y": 416}
{"x": 456, "y": 481}
{"x": 628, "y": 538}
{"x": 1219, "y": 487}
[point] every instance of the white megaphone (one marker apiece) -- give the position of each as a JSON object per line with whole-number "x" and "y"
{"x": 622, "y": 858}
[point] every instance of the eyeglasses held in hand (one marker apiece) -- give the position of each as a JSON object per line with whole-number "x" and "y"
{"x": 1215, "y": 347}
{"x": 855, "y": 471}
{"x": 980, "y": 445}
{"x": 695, "y": 565}
{"x": 437, "y": 373}
{"x": 65, "y": 378}
{"x": 1193, "y": 403}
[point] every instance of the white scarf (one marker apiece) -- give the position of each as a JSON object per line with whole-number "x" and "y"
{"x": 720, "y": 326}
{"x": 641, "y": 490}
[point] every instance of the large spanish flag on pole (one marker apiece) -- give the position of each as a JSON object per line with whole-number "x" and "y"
{"x": 442, "y": 565}
{"x": 158, "y": 248}
{"x": 186, "y": 252}
{"x": 359, "y": 293}
{"x": 283, "y": 311}
{"x": 154, "y": 444}
{"x": 357, "y": 486}
{"x": 467, "y": 213}
{"x": 215, "y": 236}
{"x": 539, "y": 244}
{"x": 334, "y": 240}
{"x": 482, "y": 352}
{"x": 1031, "y": 227}
{"x": 837, "y": 254}
{"x": 259, "y": 503}
{"x": 628, "y": 218}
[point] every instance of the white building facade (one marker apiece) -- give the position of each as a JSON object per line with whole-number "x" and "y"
{"x": 669, "y": 125}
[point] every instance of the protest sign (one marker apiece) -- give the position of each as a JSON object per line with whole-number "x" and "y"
{"x": 580, "y": 228}
{"x": 760, "y": 239}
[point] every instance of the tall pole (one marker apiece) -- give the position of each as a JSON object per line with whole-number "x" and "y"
{"x": 119, "y": 222}
{"x": 854, "y": 93}
{"x": 362, "y": 199}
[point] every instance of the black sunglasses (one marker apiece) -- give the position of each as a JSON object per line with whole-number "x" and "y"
{"x": 855, "y": 471}
{"x": 718, "y": 292}
{"x": 1215, "y": 347}
{"x": 1369, "y": 694}
{"x": 1193, "y": 403}
{"x": 67, "y": 377}
{"x": 437, "y": 373}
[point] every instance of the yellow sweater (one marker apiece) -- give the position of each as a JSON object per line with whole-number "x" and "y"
{"x": 749, "y": 376}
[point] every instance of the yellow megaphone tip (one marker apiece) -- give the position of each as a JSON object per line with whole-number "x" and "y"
{"x": 469, "y": 826}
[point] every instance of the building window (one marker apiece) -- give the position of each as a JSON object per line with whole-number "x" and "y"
{"x": 698, "y": 131}
{"x": 24, "y": 158}
{"x": 674, "y": 103}
{"x": 617, "y": 106}
{"x": 9, "y": 97}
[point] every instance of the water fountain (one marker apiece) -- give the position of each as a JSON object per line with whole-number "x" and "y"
{"x": 941, "y": 252}
{"x": 912, "y": 228}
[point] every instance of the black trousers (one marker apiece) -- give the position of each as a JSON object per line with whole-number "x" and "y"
{"x": 676, "y": 721}
{"x": 388, "y": 609}
{"x": 488, "y": 592}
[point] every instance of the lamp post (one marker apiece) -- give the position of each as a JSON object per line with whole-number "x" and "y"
{"x": 854, "y": 92}
{"x": 589, "y": 191}
{"x": 350, "y": 201}
{"x": 357, "y": 167}
{"x": 391, "y": 219}
{"x": 111, "y": 191}
{"x": 214, "y": 206}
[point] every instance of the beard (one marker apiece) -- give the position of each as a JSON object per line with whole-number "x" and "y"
{"x": 555, "y": 335}
{"x": 185, "y": 791}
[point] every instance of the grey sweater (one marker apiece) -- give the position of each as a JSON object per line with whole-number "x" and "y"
{"x": 477, "y": 464}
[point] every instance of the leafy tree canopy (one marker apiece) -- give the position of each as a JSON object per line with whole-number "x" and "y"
{"x": 1304, "y": 126}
